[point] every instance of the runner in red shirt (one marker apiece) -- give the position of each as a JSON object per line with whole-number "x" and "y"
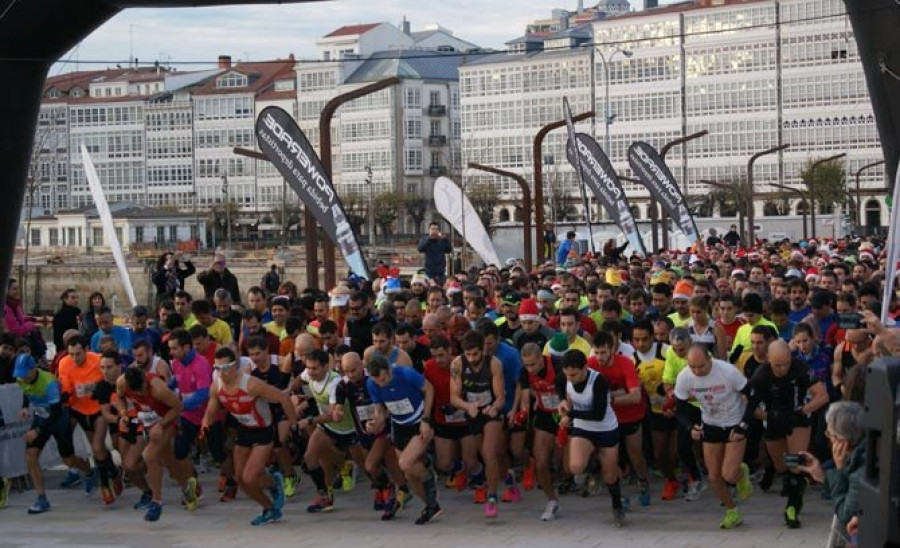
{"x": 627, "y": 401}
{"x": 449, "y": 422}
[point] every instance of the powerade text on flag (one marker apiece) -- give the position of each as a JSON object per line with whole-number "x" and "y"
{"x": 650, "y": 168}
{"x": 598, "y": 174}
{"x": 284, "y": 143}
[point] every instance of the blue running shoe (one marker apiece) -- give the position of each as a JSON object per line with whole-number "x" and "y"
{"x": 91, "y": 482}
{"x": 277, "y": 491}
{"x": 644, "y": 496}
{"x": 267, "y": 516}
{"x": 40, "y": 506}
{"x": 153, "y": 512}
{"x": 144, "y": 502}
{"x": 73, "y": 479}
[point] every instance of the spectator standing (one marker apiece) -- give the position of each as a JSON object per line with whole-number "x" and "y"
{"x": 435, "y": 246}
{"x": 732, "y": 238}
{"x": 271, "y": 281}
{"x": 565, "y": 248}
{"x": 67, "y": 317}
{"x": 169, "y": 276}
{"x": 89, "y": 319}
{"x": 219, "y": 277}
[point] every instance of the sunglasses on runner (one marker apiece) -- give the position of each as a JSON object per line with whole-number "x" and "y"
{"x": 224, "y": 366}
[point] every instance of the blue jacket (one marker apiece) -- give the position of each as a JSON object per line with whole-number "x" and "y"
{"x": 435, "y": 250}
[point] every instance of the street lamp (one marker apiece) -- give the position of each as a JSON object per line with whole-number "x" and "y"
{"x": 608, "y": 116}
{"x": 803, "y": 199}
{"x": 809, "y": 183}
{"x": 751, "y": 231}
{"x": 227, "y": 211}
{"x": 858, "y": 194}
{"x": 371, "y": 210}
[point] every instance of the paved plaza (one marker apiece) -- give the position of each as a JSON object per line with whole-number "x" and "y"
{"x": 76, "y": 521}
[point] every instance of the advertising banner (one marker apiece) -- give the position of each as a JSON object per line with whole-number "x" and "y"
{"x": 453, "y": 205}
{"x": 598, "y": 174}
{"x": 650, "y": 168}
{"x": 288, "y": 148}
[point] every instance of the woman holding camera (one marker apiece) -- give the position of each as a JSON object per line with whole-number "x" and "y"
{"x": 846, "y": 433}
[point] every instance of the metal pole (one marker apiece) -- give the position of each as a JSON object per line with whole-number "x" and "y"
{"x": 325, "y": 155}
{"x": 371, "y": 210}
{"x": 462, "y": 202}
{"x": 652, "y": 213}
{"x": 810, "y": 184}
{"x": 227, "y": 212}
{"x": 803, "y": 199}
{"x": 734, "y": 188}
{"x": 526, "y": 204}
{"x": 751, "y": 232}
{"x": 536, "y": 157}
{"x": 859, "y": 194}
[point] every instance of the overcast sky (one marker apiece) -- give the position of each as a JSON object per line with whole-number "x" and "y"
{"x": 269, "y": 31}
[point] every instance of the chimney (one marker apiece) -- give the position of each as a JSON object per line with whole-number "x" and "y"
{"x": 405, "y": 26}
{"x": 224, "y": 61}
{"x": 580, "y": 6}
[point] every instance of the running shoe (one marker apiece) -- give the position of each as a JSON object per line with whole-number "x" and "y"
{"x": 693, "y": 492}
{"x": 403, "y": 498}
{"x": 348, "y": 479}
{"x": 322, "y": 503}
{"x": 670, "y": 491}
{"x": 107, "y": 496}
{"x": 480, "y": 495}
{"x": 5, "y": 485}
{"x": 229, "y": 494}
{"x": 732, "y": 519}
{"x": 490, "y": 507}
{"x": 378, "y": 499}
{"x": 511, "y": 494}
{"x": 267, "y": 516}
{"x": 144, "y": 502}
{"x": 189, "y": 495}
{"x": 73, "y": 479}
{"x": 277, "y": 491}
{"x": 644, "y": 496}
{"x": 153, "y": 512}
{"x": 91, "y": 482}
{"x": 40, "y": 506}
{"x": 428, "y": 514}
{"x": 744, "y": 486}
{"x": 390, "y": 509}
{"x": 790, "y": 518}
{"x": 551, "y": 510}
{"x": 528, "y": 475}
{"x": 619, "y": 517}
{"x": 459, "y": 480}
{"x": 117, "y": 484}
{"x": 222, "y": 483}
{"x": 290, "y": 485}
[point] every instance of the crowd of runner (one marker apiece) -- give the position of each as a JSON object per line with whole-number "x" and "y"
{"x": 686, "y": 375}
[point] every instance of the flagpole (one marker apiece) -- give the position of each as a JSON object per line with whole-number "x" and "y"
{"x": 584, "y": 199}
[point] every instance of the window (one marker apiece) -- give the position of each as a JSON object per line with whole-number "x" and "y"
{"x": 36, "y": 236}
{"x": 413, "y": 160}
{"x": 413, "y": 128}
{"x": 434, "y": 99}
{"x": 173, "y": 233}
{"x": 53, "y": 236}
{"x": 435, "y": 127}
{"x": 119, "y": 235}
{"x": 160, "y": 234}
{"x": 231, "y": 80}
{"x": 97, "y": 236}
{"x": 413, "y": 98}
{"x": 139, "y": 234}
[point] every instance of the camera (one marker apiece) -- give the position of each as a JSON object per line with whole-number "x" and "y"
{"x": 850, "y": 320}
{"x": 793, "y": 460}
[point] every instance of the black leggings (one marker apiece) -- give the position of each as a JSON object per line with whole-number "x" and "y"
{"x": 686, "y": 446}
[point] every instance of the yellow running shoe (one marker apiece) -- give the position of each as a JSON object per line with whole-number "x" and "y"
{"x": 744, "y": 485}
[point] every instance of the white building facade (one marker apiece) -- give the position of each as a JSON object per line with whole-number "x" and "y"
{"x": 755, "y": 74}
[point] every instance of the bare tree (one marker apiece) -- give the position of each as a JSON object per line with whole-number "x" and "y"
{"x": 416, "y": 207}
{"x": 32, "y": 184}
{"x": 484, "y": 197}
{"x": 387, "y": 206}
{"x": 356, "y": 208}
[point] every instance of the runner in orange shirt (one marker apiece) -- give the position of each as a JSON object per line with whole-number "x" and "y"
{"x": 79, "y": 373}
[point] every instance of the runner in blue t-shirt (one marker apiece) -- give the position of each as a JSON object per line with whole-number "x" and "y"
{"x": 407, "y": 397}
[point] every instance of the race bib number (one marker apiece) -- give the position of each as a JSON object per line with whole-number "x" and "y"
{"x": 84, "y": 390}
{"x": 148, "y": 418}
{"x": 246, "y": 420}
{"x": 456, "y": 417}
{"x": 365, "y": 412}
{"x": 399, "y": 407}
{"x": 483, "y": 399}
{"x": 549, "y": 401}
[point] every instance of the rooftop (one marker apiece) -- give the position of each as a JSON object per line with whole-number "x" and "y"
{"x": 412, "y": 64}
{"x": 352, "y": 30}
